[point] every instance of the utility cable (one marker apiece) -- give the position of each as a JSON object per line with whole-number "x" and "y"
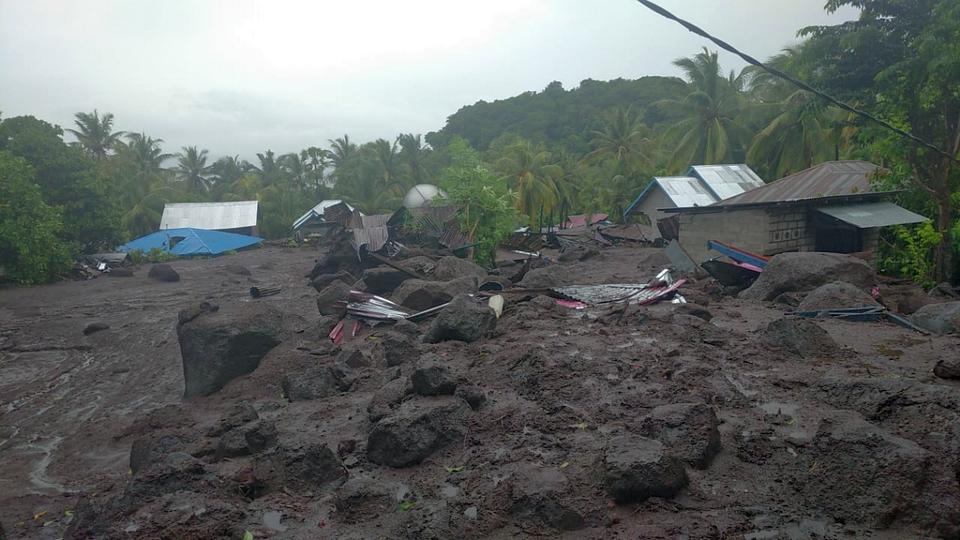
{"x": 774, "y": 71}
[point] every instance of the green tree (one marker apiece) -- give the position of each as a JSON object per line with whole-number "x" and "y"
{"x": 341, "y": 150}
{"x": 95, "y": 134}
{"x": 414, "y": 156}
{"x": 529, "y": 170}
{"x": 149, "y": 154}
{"x": 389, "y": 162}
{"x": 708, "y": 130}
{"x": 192, "y": 169}
{"x": 30, "y": 249}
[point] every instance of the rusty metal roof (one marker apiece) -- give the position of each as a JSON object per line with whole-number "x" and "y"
{"x": 830, "y": 179}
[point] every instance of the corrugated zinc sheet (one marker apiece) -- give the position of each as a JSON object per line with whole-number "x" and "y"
{"x": 829, "y": 179}
{"x": 316, "y": 212}
{"x": 726, "y": 181}
{"x": 209, "y": 216}
{"x": 685, "y": 191}
{"x": 869, "y": 215}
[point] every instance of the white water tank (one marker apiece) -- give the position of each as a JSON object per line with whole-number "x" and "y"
{"x": 421, "y": 194}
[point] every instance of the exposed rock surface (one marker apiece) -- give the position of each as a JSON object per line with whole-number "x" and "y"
{"x": 163, "y": 272}
{"x": 637, "y": 468}
{"x": 838, "y": 294}
{"x": 463, "y": 320}
{"x": 948, "y": 368}
{"x": 798, "y": 336}
{"x": 688, "y": 430}
{"x": 328, "y": 298}
{"x": 418, "y": 295}
{"x": 218, "y": 347}
{"x": 450, "y": 267}
{"x": 417, "y": 429}
{"x": 387, "y": 398}
{"x": 546, "y": 277}
{"x": 299, "y": 468}
{"x": 433, "y": 380}
{"x": 536, "y": 495}
{"x": 316, "y": 383}
{"x": 939, "y": 318}
{"x": 383, "y": 279}
{"x": 322, "y": 281}
{"x": 398, "y": 348}
{"x": 805, "y": 271}
{"x": 94, "y": 327}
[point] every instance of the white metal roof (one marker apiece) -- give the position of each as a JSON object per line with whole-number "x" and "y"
{"x": 685, "y": 191}
{"x": 316, "y": 211}
{"x": 209, "y": 215}
{"x": 726, "y": 181}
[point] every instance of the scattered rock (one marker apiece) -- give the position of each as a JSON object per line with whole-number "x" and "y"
{"x": 637, "y": 468}
{"x": 152, "y": 448}
{"x": 120, "y": 272}
{"x": 261, "y": 436}
{"x": 948, "y": 368}
{"x": 579, "y": 253}
{"x": 858, "y": 472}
{"x": 473, "y": 395}
{"x": 361, "y": 497}
{"x": 353, "y": 359}
{"x": 387, "y": 398}
{"x": 434, "y": 380}
{"x": 463, "y": 320}
{"x": 325, "y": 325}
{"x": 418, "y": 428}
{"x": 327, "y": 301}
{"x": 398, "y": 348}
{"x": 322, "y": 281}
{"x": 805, "y": 271}
{"x": 546, "y": 277}
{"x": 418, "y": 295}
{"x": 163, "y": 272}
{"x": 232, "y": 444}
{"x": 939, "y": 318}
{"x": 237, "y": 269}
{"x": 191, "y": 313}
{"x": 798, "y": 336}
{"x": 219, "y": 347}
{"x": 791, "y": 299}
{"x": 838, "y": 294}
{"x": 535, "y": 494}
{"x": 238, "y": 415}
{"x": 688, "y": 430}
{"x": 95, "y": 327}
{"x": 383, "y": 279}
{"x": 421, "y": 264}
{"x": 450, "y": 267}
{"x": 406, "y": 327}
{"x": 316, "y": 383}
{"x": 694, "y": 310}
{"x": 303, "y": 468}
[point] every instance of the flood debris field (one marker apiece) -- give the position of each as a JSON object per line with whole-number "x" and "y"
{"x": 719, "y": 418}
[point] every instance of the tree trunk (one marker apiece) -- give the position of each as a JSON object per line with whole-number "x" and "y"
{"x": 944, "y": 260}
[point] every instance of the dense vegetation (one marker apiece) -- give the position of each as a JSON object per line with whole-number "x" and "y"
{"x": 540, "y": 155}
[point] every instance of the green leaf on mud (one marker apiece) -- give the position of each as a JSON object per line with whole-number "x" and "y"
{"x": 247, "y": 535}
{"x": 406, "y": 506}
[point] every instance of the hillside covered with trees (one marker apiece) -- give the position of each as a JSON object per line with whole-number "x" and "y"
{"x": 547, "y": 153}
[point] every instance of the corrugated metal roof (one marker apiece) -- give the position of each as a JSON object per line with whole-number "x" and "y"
{"x": 726, "y": 181}
{"x": 685, "y": 191}
{"x": 317, "y": 211}
{"x": 869, "y": 215}
{"x": 830, "y": 179}
{"x": 209, "y": 215}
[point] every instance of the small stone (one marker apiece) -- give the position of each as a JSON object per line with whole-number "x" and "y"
{"x": 948, "y": 368}
{"x": 433, "y": 380}
{"x": 473, "y": 395}
{"x": 354, "y": 359}
{"x": 261, "y": 436}
{"x": 95, "y": 327}
{"x": 163, "y": 272}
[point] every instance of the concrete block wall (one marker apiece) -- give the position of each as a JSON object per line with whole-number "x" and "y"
{"x": 746, "y": 229}
{"x": 789, "y": 231}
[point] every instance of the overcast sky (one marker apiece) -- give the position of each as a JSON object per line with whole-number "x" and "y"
{"x": 241, "y": 76}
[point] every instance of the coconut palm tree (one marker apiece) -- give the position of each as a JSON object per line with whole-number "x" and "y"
{"x": 389, "y": 161}
{"x": 147, "y": 150}
{"x": 624, "y": 139}
{"x": 94, "y": 133}
{"x": 193, "y": 170}
{"x": 707, "y": 130}
{"x": 532, "y": 174}
{"x": 412, "y": 153}
{"x": 341, "y": 150}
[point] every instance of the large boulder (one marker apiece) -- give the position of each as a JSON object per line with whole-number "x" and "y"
{"x": 939, "y": 318}
{"x": 328, "y": 301}
{"x": 535, "y": 494}
{"x": 637, "y": 468}
{"x": 387, "y": 398}
{"x": 383, "y": 279}
{"x": 163, "y": 272}
{"x": 547, "y": 277}
{"x": 838, "y": 294}
{"x": 857, "y": 472}
{"x": 433, "y": 380}
{"x": 219, "y": 346}
{"x": 805, "y": 271}
{"x": 452, "y": 267}
{"x": 418, "y": 294}
{"x": 689, "y": 431}
{"x": 316, "y": 383}
{"x": 798, "y": 336}
{"x": 323, "y": 280}
{"x": 398, "y": 348}
{"x": 298, "y": 468}
{"x": 463, "y": 320}
{"x": 418, "y": 428}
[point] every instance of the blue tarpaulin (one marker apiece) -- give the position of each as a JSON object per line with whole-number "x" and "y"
{"x": 186, "y": 242}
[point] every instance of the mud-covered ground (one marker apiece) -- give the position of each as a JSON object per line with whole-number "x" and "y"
{"x": 856, "y": 441}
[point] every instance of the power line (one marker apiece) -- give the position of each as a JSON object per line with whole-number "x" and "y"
{"x": 774, "y": 71}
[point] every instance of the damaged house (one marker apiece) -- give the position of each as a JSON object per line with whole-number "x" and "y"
{"x": 703, "y": 185}
{"x": 829, "y": 207}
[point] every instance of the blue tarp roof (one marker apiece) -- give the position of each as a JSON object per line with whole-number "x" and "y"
{"x": 191, "y": 242}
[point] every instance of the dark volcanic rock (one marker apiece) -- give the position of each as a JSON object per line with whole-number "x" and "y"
{"x": 152, "y": 448}
{"x": 398, "y": 348}
{"x": 383, "y": 279}
{"x": 120, "y": 272}
{"x": 855, "y": 471}
{"x": 417, "y": 429}
{"x": 95, "y": 327}
{"x": 636, "y": 468}
{"x": 188, "y": 314}
{"x": 688, "y": 430}
{"x": 303, "y": 468}
{"x": 238, "y": 415}
{"x": 473, "y": 395}
{"x": 418, "y": 295}
{"x": 261, "y": 436}
{"x": 362, "y": 496}
{"x": 451, "y": 267}
{"x": 948, "y": 368}
{"x": 434, "y": 380}
{"x": 406, "y": 327}
{"x": 316, "y": 383}
{"x": 535, "y": 495}
{"x": 387, "y": 398}
{"x": 323, "y": 280}
{"x": 694, "y": 310}
{"x": 798, "y": 336}
{"x": 546, "y": 277}
{"x": 327, "y": 301}
{"x": 163, "y": 272}
{"x": 218, "y": 347}
{"x": 939, "y": 318}
{"x": 805, "y": 271}
{"x": 353, "y": 359}
{"x": 232, "y": 444}
{"x": 838, "y": 294}
{"x": 463, "y": 320}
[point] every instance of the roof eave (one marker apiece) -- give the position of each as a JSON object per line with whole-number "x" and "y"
{"x": 715, "y": 208}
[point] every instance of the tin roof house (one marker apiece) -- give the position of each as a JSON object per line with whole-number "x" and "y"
{"x": 238, "y": 217}
{"x": 703, "y": 185}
